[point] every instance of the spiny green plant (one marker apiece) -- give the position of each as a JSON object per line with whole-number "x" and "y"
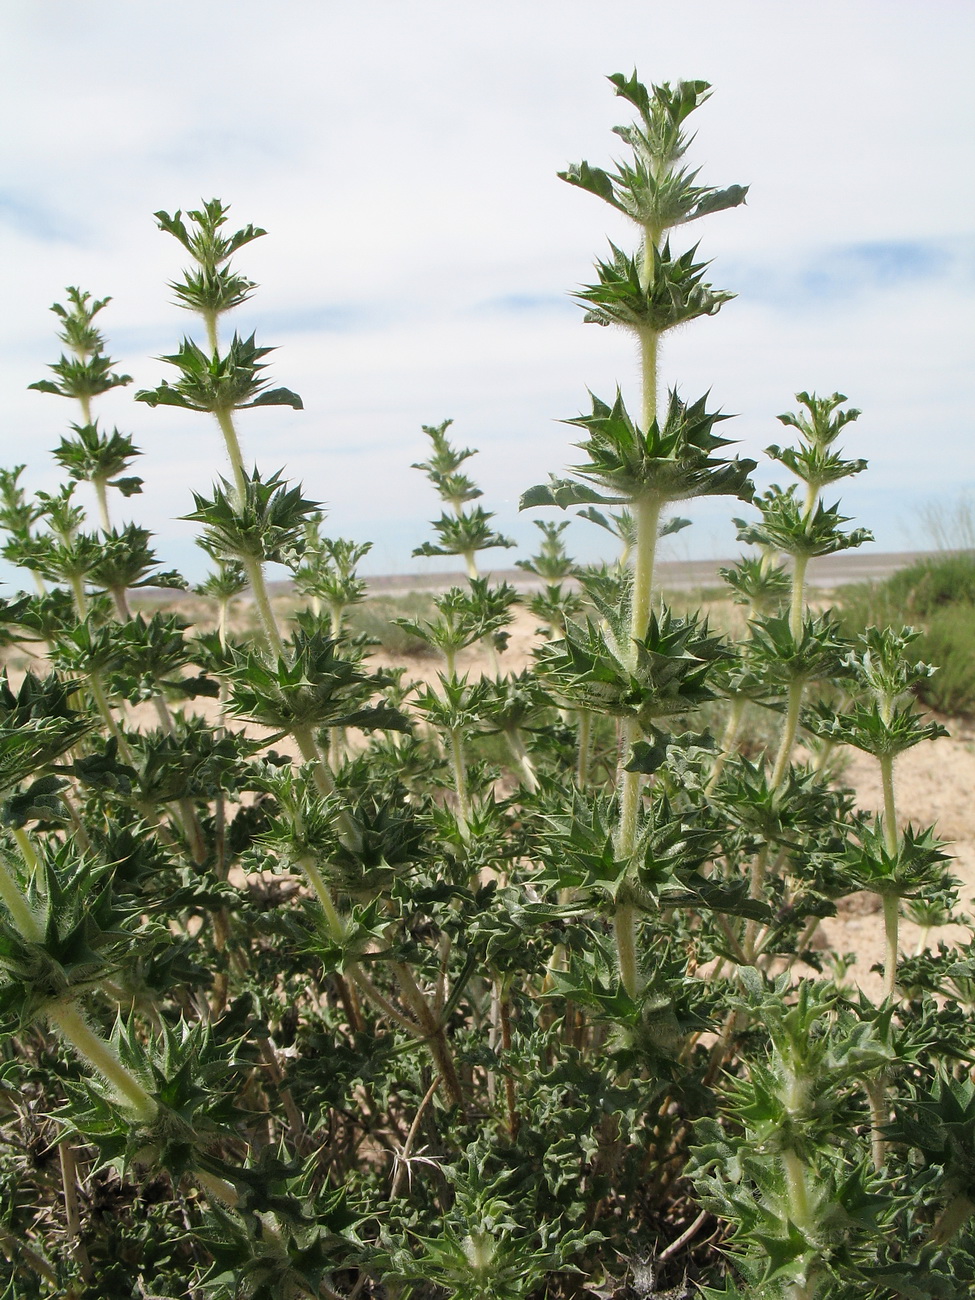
{"x": 334, "y": 983}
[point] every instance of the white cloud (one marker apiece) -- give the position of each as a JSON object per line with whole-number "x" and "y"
{"x": 421, "y": 250}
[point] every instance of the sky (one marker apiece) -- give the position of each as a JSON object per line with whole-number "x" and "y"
{"x": 421, "y": 252}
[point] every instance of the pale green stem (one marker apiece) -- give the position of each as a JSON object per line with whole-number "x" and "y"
{"x": 728, "y": 741}
{"x": 892, "y": 844}
{"x": 756, "y": 888}
{"x": 324, "y": 895}
{"x": 255, "y": 575}
{"x": 101, "y": 701}
{"x": 27, "y": 849}
{"x": 80, "y": 597}
{"x": 789, "y": 729}
{"x": 649, "y": 358}
{"x": 121, "y": 604}
{"x": 629, "y": 799}
{"x": 879, "y": 1116}
{"x": 69, "y": 1021}
{"x": 20, "y": 910}
{"x": 798, "y": 606}
{"x": 336, "y": 735}
{"x": 624, "y": 928}
{"x": 795, "y": 1178}
{"x": 216, "y": 1187}
{"x": 470, "y": 564}
{"x": 312, "y": 754}
{"x": 325, "y": 784}
{"x": 585, "y": 741}
{"x": 891, "y": 928}
{"x": 226, "y": 421}
{"x": 891, "y": 840}
{"x": 210, "y": 320}
{"x": 435, "y": 1039}
{"x": 101, "y": 493}
{"x": 366, "y": 985}
{"x": 459, "y": 764}
{"x": 647, "y": 516}
{"x": 525, "y": 764}
{"x": 85, "y": 402}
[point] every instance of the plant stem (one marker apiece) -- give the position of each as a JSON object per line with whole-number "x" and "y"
{"x": 20, "y": 910}
{"x": 101, "y": 701}
{"x": 216, "y": 1187}
{"x": 624, "y": 929}
{"x": 69, "y": 1021}
{"x": 879, "y": 1116}
{"x": 322, "y": 776}
{"x": 459, "y": 765}
{"x": 795, "y": 1178}
{"x": 891, "y": 930}
{"x": 436, "y": 1039}
{"x": 584, "y": 741}
{"x": 226, "y": 421}
{"x": 69, "y": 1188}
{"x": 403, "y": 1163}
{"x": 80, "y": 598}
{"x": 514, "y": 1120}
{"x": 363, "y": 981}
{"x": 728, "y": 741}
{"x": 789, "y": 729}
{"x": 324, "y": 895}
{"x": 647, "y": 515}
{"x": 121, "y": 604}
{"x": 30, "y": 854}
{"x": 890, "y": 807}
{"x": 102, "y": 495}
{"x": 526, "y": 766}
{"x": 892, "y": 844}
{"x": 255, "y": 575}
{"x": 798, "y": 607}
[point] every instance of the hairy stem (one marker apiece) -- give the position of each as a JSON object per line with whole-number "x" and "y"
{"x": 458, "y": 764}
{"x": 624, "y": 928}
{"x": 789, "y": 728}
{"x": 728, "y": 741}
{"x": 226, "y": 421}
{"x": 269, "y": 625}
{"x": 879, "y": 1116}
{"x": 797, "y": 608}
{"x": 69, "y": 1188}
{"x": 27, "y": 849}
{"x": 101, "y": 493}
{"x": 20, "y": 910}
{"x": 100, "y": 697}
{"x": 891, "y": 935}
{"x": 68, "y": 1020}
{"x": 584, "y": 743}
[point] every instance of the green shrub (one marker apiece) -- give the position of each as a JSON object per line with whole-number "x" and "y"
{"x": 936, "y": 595}
{"x": 376, "y": 619}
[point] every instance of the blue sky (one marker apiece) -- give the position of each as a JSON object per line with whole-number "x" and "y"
{"x": 421, "y": 251}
